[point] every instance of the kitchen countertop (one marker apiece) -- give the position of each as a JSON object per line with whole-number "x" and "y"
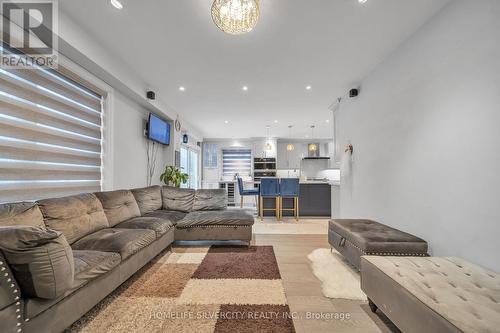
{"x": 308, "y": 182}
{"x": 315, "y": 182}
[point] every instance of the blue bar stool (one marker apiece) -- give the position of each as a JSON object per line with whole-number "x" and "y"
{"x": 290, "y": 189}
{"x": 253, "y": 192}
{"x": 269, "y": 188}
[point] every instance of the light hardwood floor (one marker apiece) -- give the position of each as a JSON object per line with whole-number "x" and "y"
{"x": 303, "y": 289}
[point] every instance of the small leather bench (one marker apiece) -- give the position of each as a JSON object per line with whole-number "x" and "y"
{"x": 356, "y": 238}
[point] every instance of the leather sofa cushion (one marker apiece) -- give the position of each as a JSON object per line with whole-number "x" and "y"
{"x": 170, "y": 215}
{"x": 160, "y": 226}
{"x": 179, "y": 199}
{"x": 88, "y": 266}
{"x": 21, "y": 213}
{"x": 210, "y": 200}
{"x": 41, "y": 260}
{"x": 123, "y": 241}
{"x": 91, "y": 264}
{"x": 148, "y": 198}
{"x": 119, "y": 206}
{"x": 216, "y": 218}
{"x": 462, "y": 293}
{"x": 373, "y": 237}
{"x": 74, "y": 216}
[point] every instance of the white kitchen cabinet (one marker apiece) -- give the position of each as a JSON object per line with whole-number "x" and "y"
{"x": 210, "y": 185}
{"x": 297, "y": 155}
{"x": 290, "y": 159}
{"x": 282, "y": 158}
{"x": 260, "y": 151}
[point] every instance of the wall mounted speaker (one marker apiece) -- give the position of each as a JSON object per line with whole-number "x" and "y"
{"x": 353, "y": 93}
{"x": 151, "y": 95}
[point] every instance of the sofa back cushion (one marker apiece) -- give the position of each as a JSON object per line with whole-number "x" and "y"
{"x": 21, "y": 213}
{"x": 40, "y": 258}
{"x": 75, "y": 216}
{"x": 179, "y": 199}
{"x": 148, "y": 198}
{"x": 118, "y": 206}
{"x": 210, "y": 200}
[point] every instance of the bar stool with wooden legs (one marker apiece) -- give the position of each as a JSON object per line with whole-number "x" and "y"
{"x": 250, "y": 192}
{"x": 290, "y": 189}
{"x": 269, "y": 188}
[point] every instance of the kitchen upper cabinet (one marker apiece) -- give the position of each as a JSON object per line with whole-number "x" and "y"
{"x": 210, "y": 155}
{"x": 260, "y": 149}
{"x": 290, "y": 159}
{"x": 282, "y": 158}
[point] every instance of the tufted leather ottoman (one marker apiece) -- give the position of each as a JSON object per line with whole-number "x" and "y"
{"x": 433, "y": 295}
{"x": 356, "y": 238}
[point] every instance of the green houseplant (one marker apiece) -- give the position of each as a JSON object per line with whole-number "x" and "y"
{"x": 173, "y": 176}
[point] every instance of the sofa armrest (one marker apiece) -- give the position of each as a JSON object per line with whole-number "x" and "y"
{"x": 9, "y": 289}
{"x": 11, "y": 312}
{"x": 11, "y": 319}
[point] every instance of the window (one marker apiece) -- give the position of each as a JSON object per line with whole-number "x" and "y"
{"x": 189, "y": 165}
{"x": 50, "y": 135}
{"x": 236, "y": 161}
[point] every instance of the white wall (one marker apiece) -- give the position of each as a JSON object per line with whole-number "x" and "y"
{"x": 130, "y": 146}
{"x": 426, "y": 136}
{"x": 129, "y": 109}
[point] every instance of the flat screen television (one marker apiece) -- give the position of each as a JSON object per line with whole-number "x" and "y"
{"x": 158, "y": 129}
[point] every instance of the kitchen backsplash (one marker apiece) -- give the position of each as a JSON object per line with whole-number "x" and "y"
{"x": 330, "y": 174}
{"x": 295, "y": 173}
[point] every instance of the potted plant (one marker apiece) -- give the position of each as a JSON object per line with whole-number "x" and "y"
{"x": 173, "y": 176}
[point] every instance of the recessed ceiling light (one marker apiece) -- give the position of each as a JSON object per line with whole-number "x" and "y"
{"x": 117, "y": 4}
{"x": 308, "y": 87}
{"x": 307, "y": 136}
{"x": 226, "y": 121}
{"x": 328, "y": 120}
{"x": 245, "y": 88}
{"x": 275, "y": 121}
{"x": 362, "y": 1}
{"x": 182, "y": 88}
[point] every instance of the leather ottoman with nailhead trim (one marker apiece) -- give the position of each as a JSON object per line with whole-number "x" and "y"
{"x": 356, "y": 238}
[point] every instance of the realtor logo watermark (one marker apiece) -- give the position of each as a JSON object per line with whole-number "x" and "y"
{"x": 30, "y": 33}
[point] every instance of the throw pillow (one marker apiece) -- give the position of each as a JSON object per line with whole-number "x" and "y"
{"x": 40, "y": 259}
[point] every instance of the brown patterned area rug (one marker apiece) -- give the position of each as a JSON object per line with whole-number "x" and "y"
{"x": 194, "y": 289}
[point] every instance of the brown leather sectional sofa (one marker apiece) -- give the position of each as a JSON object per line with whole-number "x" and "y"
{"x": 112, "y": 235}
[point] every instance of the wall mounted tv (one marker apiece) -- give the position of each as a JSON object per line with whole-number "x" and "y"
{"x": 158, "y": 129}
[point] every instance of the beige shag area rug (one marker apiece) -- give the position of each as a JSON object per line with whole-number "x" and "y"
{"x": 338, "y": 278}
{"x": 212, "y": 290}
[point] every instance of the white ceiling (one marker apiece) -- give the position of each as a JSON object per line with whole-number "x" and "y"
{"x": 328, "y": 44}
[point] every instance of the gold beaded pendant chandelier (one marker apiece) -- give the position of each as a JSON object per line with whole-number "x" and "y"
{"x": 290, "y": 146}
{"x": 268, "y": 145}
{"x": 312, "y": 146}
{"x": 235, "y": 17}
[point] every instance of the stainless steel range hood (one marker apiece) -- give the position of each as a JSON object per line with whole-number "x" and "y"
{"x": 317, "y": 158}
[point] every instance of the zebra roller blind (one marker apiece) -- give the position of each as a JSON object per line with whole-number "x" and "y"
{"x": 236, "y": 161}
{"x": 50, "y": 135}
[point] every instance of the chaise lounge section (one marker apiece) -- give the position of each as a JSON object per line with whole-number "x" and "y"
{"x": 111, "y": 235}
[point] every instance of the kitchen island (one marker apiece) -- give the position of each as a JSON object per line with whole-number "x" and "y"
{"x": 314, "y": 201}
